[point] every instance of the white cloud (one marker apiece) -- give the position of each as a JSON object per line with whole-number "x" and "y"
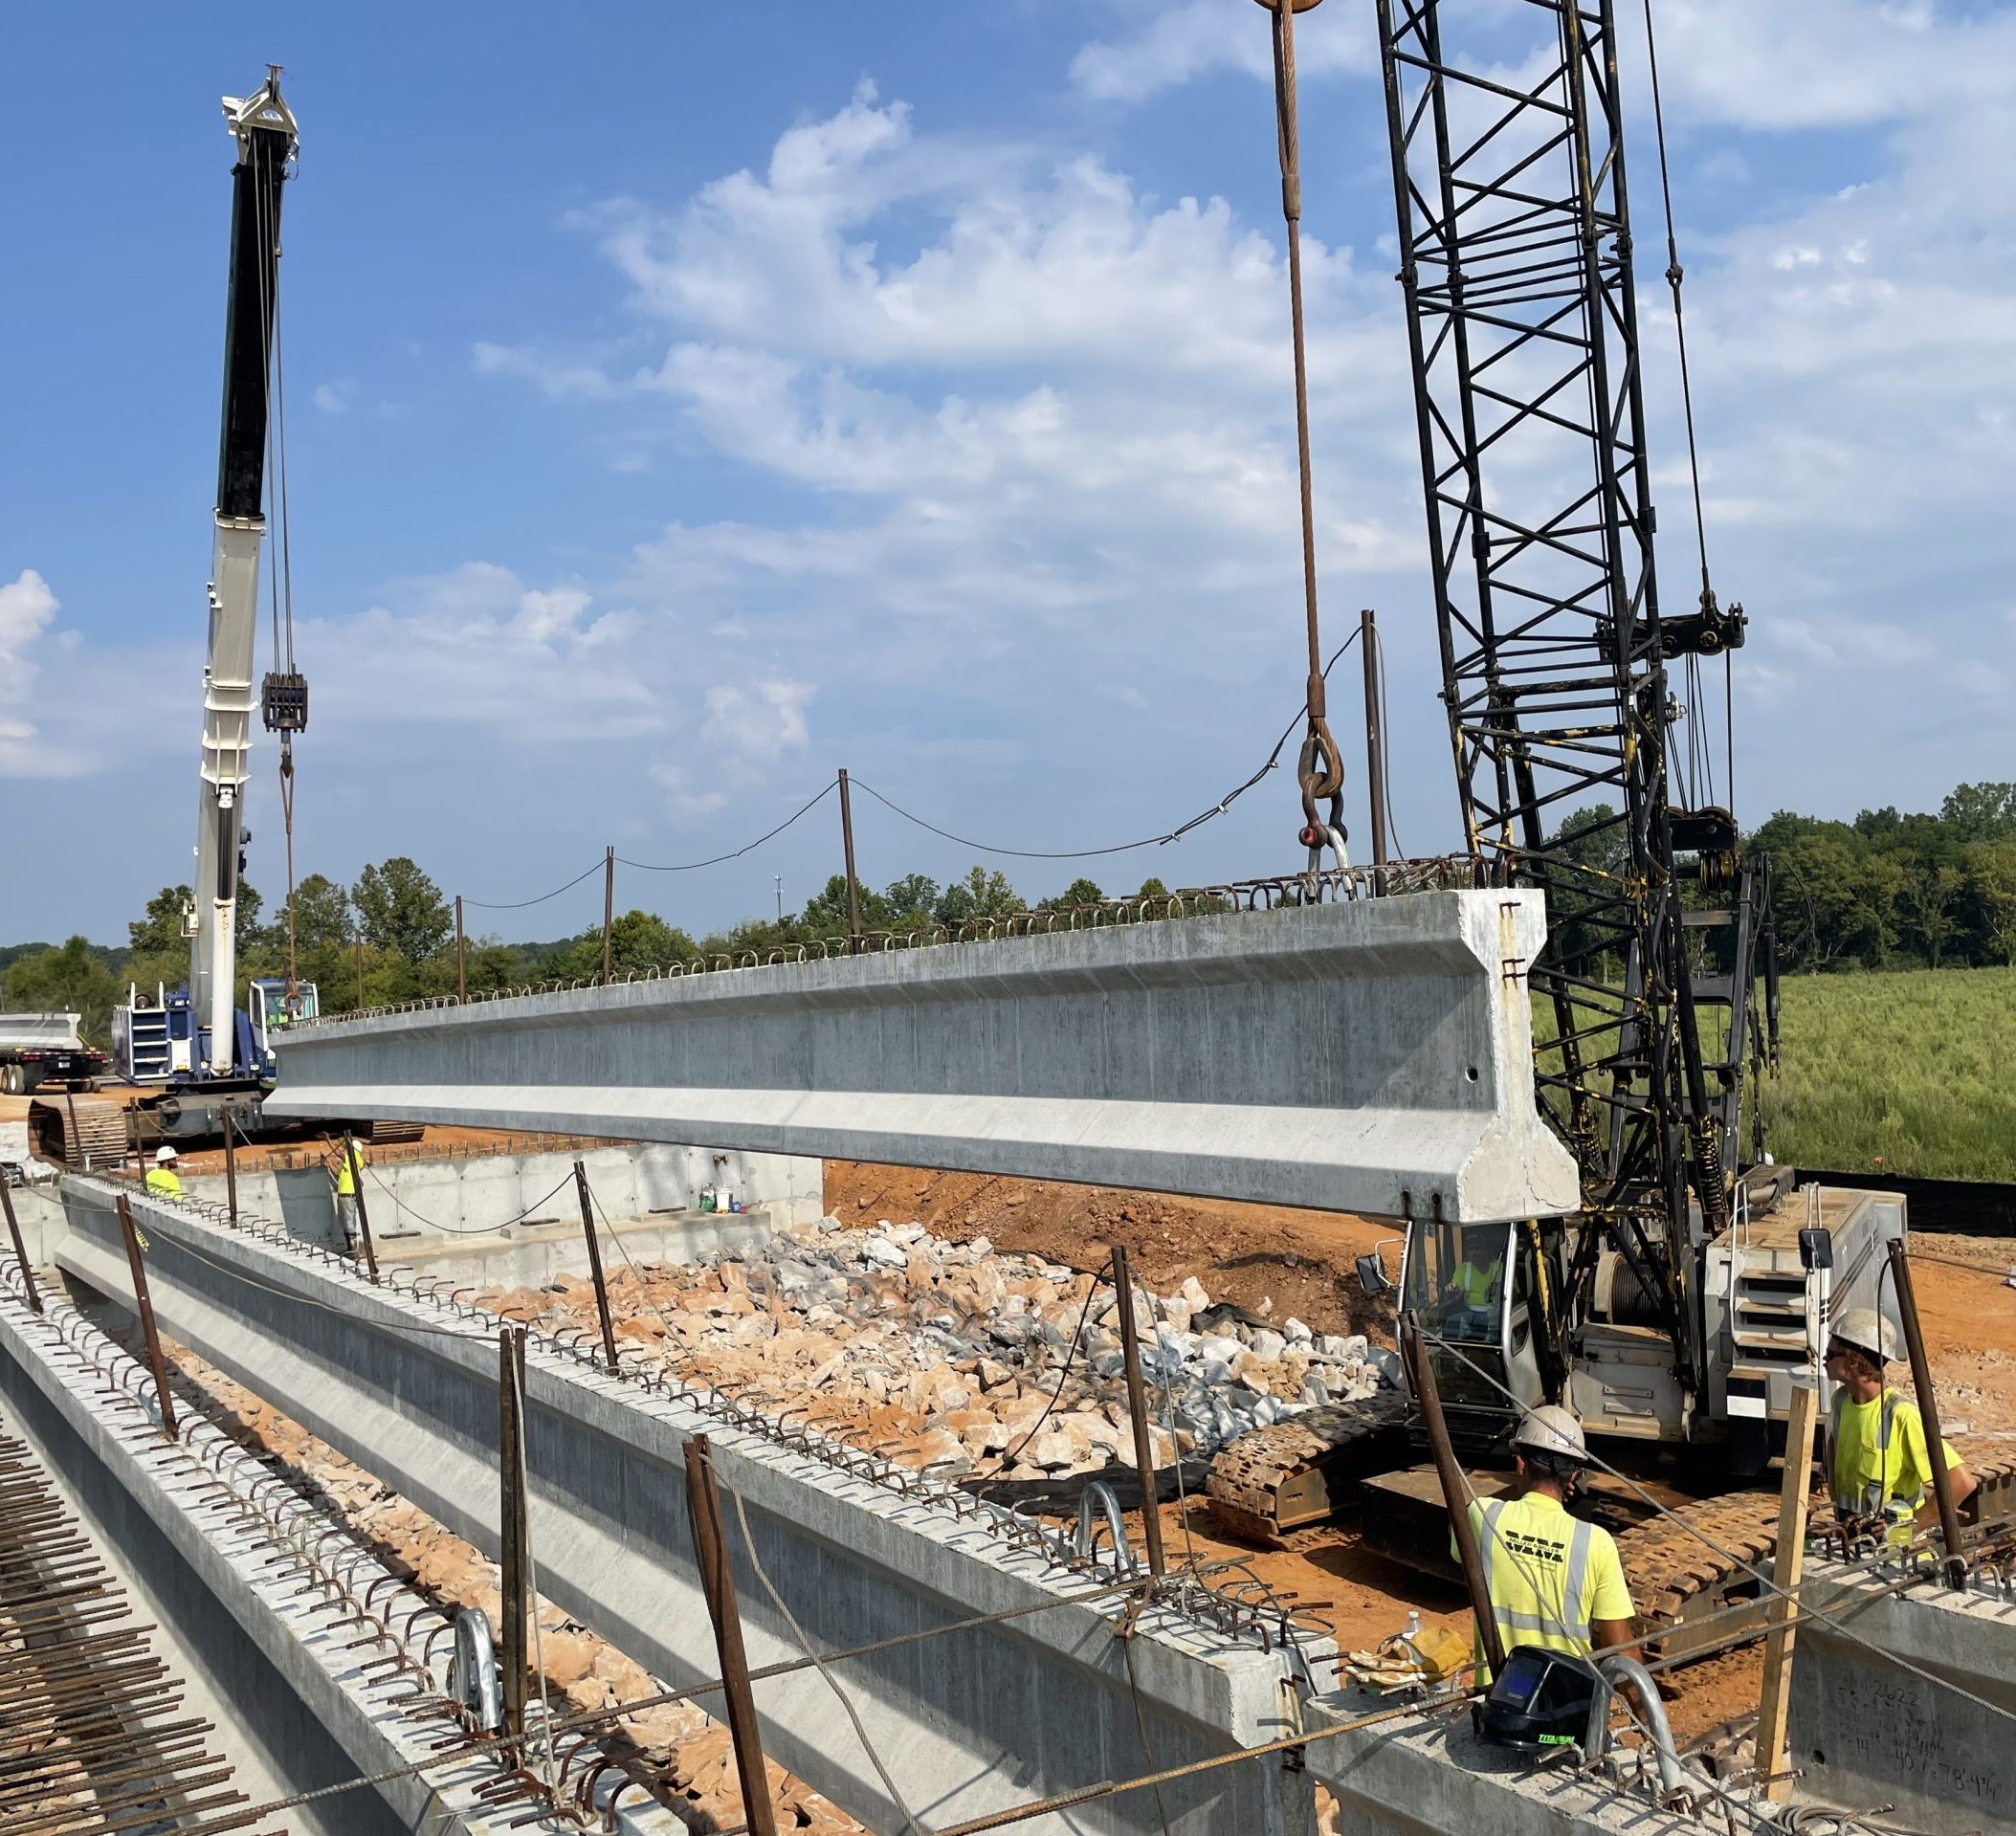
{"x": 332, "y": 398}
{"x": 26, "y": 607}
{"x": 1048, "y": 414}
{"x": 556, "y": 380}
{"x": 1171, "y": 45}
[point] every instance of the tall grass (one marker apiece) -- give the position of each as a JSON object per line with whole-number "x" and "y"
{"x": 1913, "y": 1071}
{"x": 1915, "y": 1068}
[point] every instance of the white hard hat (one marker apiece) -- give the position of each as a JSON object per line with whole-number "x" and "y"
{"x": 162, "y": 1156}
{"x": 1552, "y": 1430}
{"x": 1869, "y": 1331}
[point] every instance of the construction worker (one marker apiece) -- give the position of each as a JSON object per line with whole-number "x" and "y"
{"x": 1470, "y": 1297}
{"x": 1553, "y": 1580}
{"x": 350, "y": 1158}
{"x": 163, "y": 1180}
{"x": 1878, "y": 1462}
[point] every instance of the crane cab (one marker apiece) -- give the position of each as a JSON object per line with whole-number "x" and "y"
{"x": 1472, "y": 1290}
{"x": 269, "y": 1013}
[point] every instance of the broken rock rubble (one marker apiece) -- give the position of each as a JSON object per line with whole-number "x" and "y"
{"x": 947, "y": 1356}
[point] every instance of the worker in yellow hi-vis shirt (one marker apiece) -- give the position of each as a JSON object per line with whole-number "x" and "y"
{"x": 1554, "y": 1581}
{"x": 349, "y": 1156}
{"x": 163, "y": 1180}
{"x": 1878, "y": 1465}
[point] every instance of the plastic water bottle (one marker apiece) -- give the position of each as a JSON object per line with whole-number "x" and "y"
{"x": 1413, "y": 1630}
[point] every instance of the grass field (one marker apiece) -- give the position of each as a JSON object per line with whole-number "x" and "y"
{"x": 1917, "y": 1067}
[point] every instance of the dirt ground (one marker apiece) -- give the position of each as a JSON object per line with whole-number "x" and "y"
{"x": 1274, "y": 1260}
{"x": 1280, "y": 1261}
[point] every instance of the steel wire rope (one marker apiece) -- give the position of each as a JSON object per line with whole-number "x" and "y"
{"x": 790, "y": 1619}
{"x": 688, "y": 867}
{"x": 1070, "y": 1357}
{"x": 1175, "y": 834}
{"x": 1708, "y": 1542}
{"x": 1676, "y": 274}
{"x": 449, "y": 1229}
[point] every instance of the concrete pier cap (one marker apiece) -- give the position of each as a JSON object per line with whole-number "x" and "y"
{"x": 1373, "y": 1056}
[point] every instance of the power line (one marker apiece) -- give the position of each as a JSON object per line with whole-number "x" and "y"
{"x": 687, "y": 867}
{"x": 518, "y": 905}
{"x": 1175, "y": 834}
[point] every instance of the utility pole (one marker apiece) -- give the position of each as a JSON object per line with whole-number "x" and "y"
{"x": 358, "y": 943}
{"x": 462, "y": 960}
{"x": 1375, "y": 738}
{"x": 853, "y": 886}
{"x": 609, "y": 907}
{"x": 779, "y": 879}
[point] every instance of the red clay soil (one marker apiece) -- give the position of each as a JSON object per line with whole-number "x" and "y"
{"x": 1274, "y": 1260}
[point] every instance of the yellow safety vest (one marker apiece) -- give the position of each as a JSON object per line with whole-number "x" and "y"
{"x": 1549, "y": 1576}
{"x": 1877, "y": 1454}
{"x": 164, "y": 1182}
{"x": 1479, "y": 1287}
{"x": 346, "y": 1185}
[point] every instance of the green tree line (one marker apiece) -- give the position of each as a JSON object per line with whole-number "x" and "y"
{"x": 390, "y": 935}
{"x": 1885, "y": 890}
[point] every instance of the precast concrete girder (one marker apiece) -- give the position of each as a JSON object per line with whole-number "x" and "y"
{"x": 1373, "y": 1056}
{"x": 970, "y": 1720}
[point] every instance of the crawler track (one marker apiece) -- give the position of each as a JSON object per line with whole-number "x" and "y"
{"x": 1299, "y": 1471}
{"x": 82, "y": 1132}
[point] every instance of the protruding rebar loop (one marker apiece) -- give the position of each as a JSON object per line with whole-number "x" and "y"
{"x": 1333, "y": 885}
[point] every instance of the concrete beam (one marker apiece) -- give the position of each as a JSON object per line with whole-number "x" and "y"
{"x": 968, "y": 1722}
{"x": 1905, "y": 1699}
{"x": 1434, "y": 1776}
{"x": 315, "y": 1701}
{"x": 1374, "y": 1056}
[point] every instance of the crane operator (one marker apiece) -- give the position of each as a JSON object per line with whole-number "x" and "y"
{"x": 1553, "y": 1580}
{"x": 1470, "y": 1297}
{"x": 1878, "y": 1461}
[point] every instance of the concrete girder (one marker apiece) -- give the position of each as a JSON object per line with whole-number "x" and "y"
{"x": 1373, "y": 1056}
{"x": 969, "y": 1722}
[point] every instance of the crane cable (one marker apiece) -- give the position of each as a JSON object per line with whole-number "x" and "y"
{"x": 279, "y": 555}
{"x": 1676, "y": 274}
{"x": 1320, "y": 768}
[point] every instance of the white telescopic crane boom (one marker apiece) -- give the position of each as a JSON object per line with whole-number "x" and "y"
{"x": 264, "y": 128}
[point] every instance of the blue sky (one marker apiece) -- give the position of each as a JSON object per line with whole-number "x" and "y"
{"x": 688, "y": 401}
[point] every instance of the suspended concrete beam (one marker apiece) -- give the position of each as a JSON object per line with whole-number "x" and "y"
{"x": 1373, "y": 1056}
